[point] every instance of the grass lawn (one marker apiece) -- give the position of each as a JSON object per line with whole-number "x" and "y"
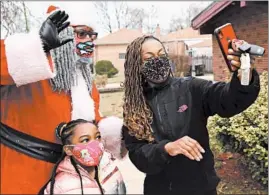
{"x": 116, "y": 79}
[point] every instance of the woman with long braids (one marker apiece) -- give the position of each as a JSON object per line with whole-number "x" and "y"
{"x": 84, "y": 167}
{"x": 165, "y": 119}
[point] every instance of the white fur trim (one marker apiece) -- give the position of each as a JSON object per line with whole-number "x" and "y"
{"x": 26, "y": 59}
{"x": 111, "y": 132}
{"x": 82, "y": 103}
{"x": 100, "y": 113}
{"x": 82, "y": 21}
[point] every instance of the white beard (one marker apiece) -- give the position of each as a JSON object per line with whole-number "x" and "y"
{"x": 82, "y": 103}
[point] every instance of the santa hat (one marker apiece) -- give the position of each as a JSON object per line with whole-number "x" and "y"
{"x": 74, "y": 21}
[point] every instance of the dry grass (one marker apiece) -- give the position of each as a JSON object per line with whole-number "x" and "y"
{"x": 117, "y": 78}
{"x": 111, "y": 104}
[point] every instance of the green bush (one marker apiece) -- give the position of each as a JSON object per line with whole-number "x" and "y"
{"x": 247, "y": 133}
{"x": 105, "y": 67}
{"x": 112, "y": 72}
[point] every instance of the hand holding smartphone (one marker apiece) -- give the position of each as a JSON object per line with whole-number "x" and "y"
{"x": 227, "y": 39}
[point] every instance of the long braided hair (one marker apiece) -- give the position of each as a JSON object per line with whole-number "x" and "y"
{"x": 64, "y": 131}
{"x": 136, "y": 113}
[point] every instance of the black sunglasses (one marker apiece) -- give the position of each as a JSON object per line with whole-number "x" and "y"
{"x": 82, "y": 34}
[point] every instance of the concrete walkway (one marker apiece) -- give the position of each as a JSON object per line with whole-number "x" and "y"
{"x": 110, "y": 87}
{"x": 133, "y": 178}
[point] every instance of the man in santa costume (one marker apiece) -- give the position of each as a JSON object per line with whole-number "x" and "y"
{"x": 46, "y": 79}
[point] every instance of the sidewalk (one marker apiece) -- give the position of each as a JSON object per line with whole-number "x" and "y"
{"x": 133, "y": 178}
{"x": 110, "y": 87}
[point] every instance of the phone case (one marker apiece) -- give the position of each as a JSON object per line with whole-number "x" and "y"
{"x": 224, "y": 35}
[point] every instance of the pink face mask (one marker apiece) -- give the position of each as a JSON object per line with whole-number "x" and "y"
{"x": 88, "y": 154}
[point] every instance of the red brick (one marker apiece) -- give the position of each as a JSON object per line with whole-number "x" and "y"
{"x": 250, "y": 24}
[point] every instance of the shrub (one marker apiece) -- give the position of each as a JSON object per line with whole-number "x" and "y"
{"x": 247, "y": 133}
{"x": 105, "y": 67}
{"x": 112, "y": 72}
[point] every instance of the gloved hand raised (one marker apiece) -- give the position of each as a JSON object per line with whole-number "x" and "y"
{"x": 50, "y": 29}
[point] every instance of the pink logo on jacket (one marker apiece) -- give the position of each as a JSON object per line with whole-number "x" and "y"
{"x": 182, "y": 108}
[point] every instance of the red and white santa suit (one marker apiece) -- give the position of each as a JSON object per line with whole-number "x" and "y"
{"x": 33, "y": 103}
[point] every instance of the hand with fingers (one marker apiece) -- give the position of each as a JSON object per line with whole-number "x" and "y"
{"x": 50, "y": 29}
{"x": 234, "y": 55}
{"x": 187, "y": 147}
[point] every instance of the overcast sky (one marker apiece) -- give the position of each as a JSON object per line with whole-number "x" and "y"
{"x": 85, "y": 11}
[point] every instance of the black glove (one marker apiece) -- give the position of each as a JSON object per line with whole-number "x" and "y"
{"x": 50, "y": 29}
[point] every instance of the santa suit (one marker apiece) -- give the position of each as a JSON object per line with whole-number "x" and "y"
{"x": 29, "y": 105}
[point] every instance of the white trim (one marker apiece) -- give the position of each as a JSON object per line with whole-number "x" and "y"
{"x": 111, "y": 132}
{"x": 26, "y": 59}
{"x": 82, "y": 103}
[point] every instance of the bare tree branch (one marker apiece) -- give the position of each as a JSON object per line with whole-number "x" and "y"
{"x": 121, "y": 10}
{"x": 134, "y": 18}
{"x": 102, "y": 12}
{"x": 149, "y": 22}
{"x": 193, "y": 10}
{"x": 176, "y": 23}
{"x": 120, "y": 15}
{"x": 25, "y": 17}
{"x": 15, "y": 17}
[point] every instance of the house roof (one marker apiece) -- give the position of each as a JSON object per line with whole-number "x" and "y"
{"x": 208, "y": 13}
{"x": 122, "y": 36}
{"x": 205, "y": 43}
{"x": 183, "y": 34}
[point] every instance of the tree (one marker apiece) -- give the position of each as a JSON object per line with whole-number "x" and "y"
{"x": 105, "y": 67}
{"x": 104, "y": 16}
{"x": 117, "y": 15}
{"x": 135, "y": 18}
{"x": 183, "y": 21}
{"x": 193, "y": 10}
{"x": 176, "y": 23}
{"x": 149, "y": 22}
{"x": 121, "y": 10}
{"x": 15, "y": 17}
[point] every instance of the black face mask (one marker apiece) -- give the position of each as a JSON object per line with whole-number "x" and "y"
{"x": 156, "y": 70}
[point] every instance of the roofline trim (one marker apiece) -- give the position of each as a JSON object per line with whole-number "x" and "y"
{"x": 209, "y": 13}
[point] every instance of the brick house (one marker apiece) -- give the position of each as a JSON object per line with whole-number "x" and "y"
{"x": 187, "y": 35}
{"x": 113, "y": 47}
{"x": 250, "y": 22}
{"x": 202, "y": 48}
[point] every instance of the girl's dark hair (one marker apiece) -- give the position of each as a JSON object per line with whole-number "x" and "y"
{"x": 64, "y": 131}
{"x": 136, "y": 113}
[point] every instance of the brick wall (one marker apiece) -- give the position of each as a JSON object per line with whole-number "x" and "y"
{"x": 250, "y": 24}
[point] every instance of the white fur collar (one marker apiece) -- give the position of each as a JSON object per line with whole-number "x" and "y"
{"x": 82, "y": 103}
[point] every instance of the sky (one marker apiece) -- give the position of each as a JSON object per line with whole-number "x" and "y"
{"x": 86, "y": 12}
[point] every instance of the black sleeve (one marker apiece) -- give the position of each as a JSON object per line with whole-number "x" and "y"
{"x": 147, "y": 157}
{"x": 226, "y": 99}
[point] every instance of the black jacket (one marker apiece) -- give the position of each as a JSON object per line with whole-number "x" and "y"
{"x": 174, "y": 175}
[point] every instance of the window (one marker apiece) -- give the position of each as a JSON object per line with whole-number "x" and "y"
{"x": 121, "y": 55}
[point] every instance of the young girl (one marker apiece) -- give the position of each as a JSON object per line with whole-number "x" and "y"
{"x": 85, "y": 167}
